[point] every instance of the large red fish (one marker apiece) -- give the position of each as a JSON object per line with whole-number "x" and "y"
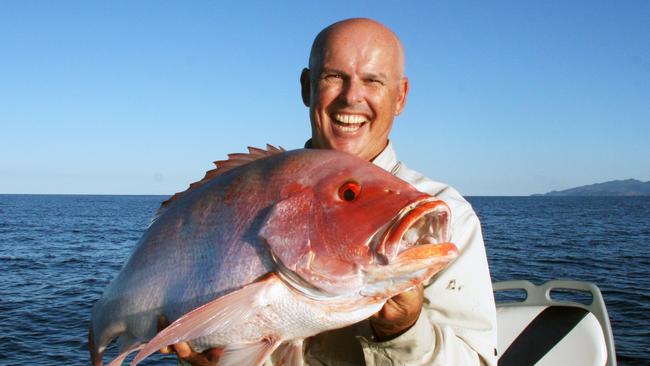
{"x": 268, "y": 249}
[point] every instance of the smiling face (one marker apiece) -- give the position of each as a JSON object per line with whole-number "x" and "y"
{"x": 354, "y": 87}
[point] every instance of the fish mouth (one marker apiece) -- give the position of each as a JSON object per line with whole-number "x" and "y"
{"x": 423, "y": 223}
{"x": 412, "y": 248}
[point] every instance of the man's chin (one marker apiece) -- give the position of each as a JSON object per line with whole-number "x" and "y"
{"x": 350, "y": 147}
{"x": 350, "y": 144}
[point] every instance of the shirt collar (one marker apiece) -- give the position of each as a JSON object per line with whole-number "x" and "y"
{"x": 387, "y": 159}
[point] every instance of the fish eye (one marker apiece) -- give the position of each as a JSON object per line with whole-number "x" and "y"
{"x": 349, "y": 191}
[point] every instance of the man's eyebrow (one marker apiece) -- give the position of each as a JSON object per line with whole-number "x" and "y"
{"x": 375, "y": 76}
{"x": 368, "y": 75}
{"x": 327, "y": 70}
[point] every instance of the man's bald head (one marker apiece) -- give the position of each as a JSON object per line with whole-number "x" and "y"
{"x": 360, "y": 31}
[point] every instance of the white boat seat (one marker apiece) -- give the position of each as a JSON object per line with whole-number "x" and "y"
{"x": 543, "y": 331}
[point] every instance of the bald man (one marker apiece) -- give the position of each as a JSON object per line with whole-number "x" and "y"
{"x": 354, "y": 87}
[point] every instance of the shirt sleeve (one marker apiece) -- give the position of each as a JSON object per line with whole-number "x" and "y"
{"x": 457, "y": 325}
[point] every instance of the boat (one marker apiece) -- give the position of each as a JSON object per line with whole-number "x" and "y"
{"x": 560, "y": 322}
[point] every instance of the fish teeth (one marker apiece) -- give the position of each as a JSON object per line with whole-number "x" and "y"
{"x": 411, "y": 235}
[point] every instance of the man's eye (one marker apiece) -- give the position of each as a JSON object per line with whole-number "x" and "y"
{"x": 333, "y": 76}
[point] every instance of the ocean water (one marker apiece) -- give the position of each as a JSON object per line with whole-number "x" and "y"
{"x": 57, "y": 253}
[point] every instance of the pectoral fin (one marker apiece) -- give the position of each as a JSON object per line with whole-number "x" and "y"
{"x": 250, "y": 354}
{"x": 225, "y": 312}
{"x": 288, "y": 354}
{"x": 117, "y": 361}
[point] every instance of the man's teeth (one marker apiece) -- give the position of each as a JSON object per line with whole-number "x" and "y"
{"x": 350, "y": 118}
{"x": 349, "y": 123}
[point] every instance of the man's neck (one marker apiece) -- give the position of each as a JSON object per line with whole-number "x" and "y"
{"x": 310, "y": 145}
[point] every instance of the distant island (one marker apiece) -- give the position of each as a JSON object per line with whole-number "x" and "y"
{"x": 626, "y": 187}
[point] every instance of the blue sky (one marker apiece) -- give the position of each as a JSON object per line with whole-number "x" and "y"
{"x": 507, "y": 97}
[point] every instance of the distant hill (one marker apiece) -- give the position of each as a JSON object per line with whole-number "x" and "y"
{"x": 627, "y": 187}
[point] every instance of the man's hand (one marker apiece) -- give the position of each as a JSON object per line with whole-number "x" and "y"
{"x": 398, "y": 314}
{"x": 184, "y": 352}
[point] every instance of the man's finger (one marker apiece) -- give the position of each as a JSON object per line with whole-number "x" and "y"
{"x": 162, "y": 324}
{"x": 398, "y": 314}
{"x": 183, "y": 349}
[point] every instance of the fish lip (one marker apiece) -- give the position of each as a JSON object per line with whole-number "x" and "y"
{"x": 428, "y": 208}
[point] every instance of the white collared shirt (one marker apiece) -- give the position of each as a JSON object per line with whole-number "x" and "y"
{"x": 459, "y": 302}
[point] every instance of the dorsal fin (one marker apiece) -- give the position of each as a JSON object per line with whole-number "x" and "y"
{"x": 222, "y": 166}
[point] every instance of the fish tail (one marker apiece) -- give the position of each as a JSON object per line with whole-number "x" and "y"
{"x": 95, "y": 354}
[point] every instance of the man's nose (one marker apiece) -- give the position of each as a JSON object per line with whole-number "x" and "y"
{"x": 353, "y": 92}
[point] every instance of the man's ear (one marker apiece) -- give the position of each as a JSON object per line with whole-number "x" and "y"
{"x": 305, "y": 86}
{"x": 401, "y": 97}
